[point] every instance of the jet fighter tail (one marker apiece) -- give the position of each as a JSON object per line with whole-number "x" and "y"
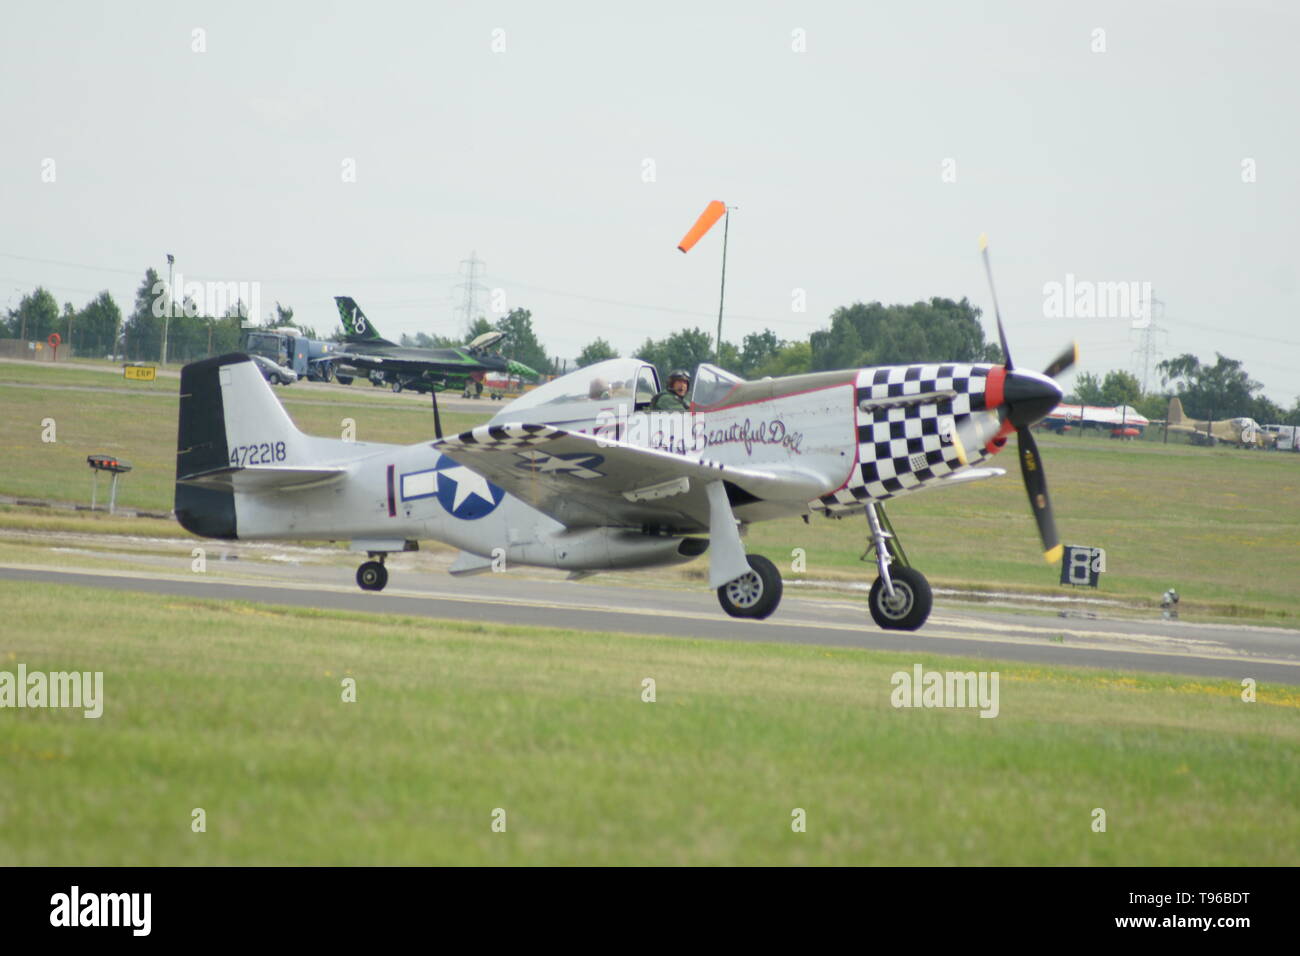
{"x": 356, "y": 326}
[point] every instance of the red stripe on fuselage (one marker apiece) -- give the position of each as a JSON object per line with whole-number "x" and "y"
{"x": 993, "y": 388}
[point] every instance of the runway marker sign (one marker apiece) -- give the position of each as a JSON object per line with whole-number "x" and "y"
{"x": 1082, "y": 566}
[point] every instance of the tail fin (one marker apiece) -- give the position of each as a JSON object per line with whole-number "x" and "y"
{"x": 1175, "y": 414}
{"x": 355, "y": 324}
{"x": 229, "y": 418}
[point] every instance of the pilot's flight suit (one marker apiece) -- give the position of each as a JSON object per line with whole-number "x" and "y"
{"x": 669, "y": 401}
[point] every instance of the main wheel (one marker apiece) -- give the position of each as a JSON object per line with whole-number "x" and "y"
{"x": 397, "y": 386}
{"x": 755, "y": 594}
{"x": 327, "y": 372}
{"x": 910, "y": 605}
{"x": 344, "y": 379}
{"x": 372, "y": 576}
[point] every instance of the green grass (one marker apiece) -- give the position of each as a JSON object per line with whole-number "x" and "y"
{"x": 83, "y": 375}
{"x": 236, "y": 708}
{"x": 139, "y": 426}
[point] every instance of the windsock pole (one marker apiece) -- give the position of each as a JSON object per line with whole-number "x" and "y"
{"x": 712, "y": 213}
{"x": 722, "y": 295}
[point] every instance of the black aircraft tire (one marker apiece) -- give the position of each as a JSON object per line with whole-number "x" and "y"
{"x": 397, "y": 386}
{"x": 753, "y": 595}
{"x": 327, "y": 372}
{"x": 372, "y": 576}
{"x": 345, "y": 379}
{"x": 914, "y": 596}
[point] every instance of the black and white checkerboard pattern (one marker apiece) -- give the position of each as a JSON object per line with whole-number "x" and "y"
{"x": 501, "y": 436}
{"x": 900, "y": 449}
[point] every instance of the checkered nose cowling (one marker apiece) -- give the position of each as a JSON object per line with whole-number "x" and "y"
{"x": 901, "y": 448}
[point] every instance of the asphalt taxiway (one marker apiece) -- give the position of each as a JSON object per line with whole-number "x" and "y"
{"x": 1230, "y": 651}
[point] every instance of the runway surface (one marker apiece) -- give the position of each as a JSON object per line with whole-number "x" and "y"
{"x": 1173, "y": 647}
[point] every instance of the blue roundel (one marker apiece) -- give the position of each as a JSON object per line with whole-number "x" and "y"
{"x": 464, "y": 493}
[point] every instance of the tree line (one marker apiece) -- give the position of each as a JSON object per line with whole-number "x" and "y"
{"x": 99, "y": 330}
{"x": 1208, "y": 391}
{"x": 860, "y": 335}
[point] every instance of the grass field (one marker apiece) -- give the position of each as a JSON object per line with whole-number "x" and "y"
{"x": 237, "y": 709}
{"x": 94, "y": 413}
{"x": 1222, "y": 526}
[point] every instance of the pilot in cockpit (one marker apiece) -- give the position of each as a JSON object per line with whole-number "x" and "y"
{"x": 673, "y": 399}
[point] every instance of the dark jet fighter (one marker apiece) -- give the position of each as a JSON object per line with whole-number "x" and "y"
{"x": 368, "y": 353}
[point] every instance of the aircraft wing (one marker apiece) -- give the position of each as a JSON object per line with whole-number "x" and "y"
{"x": 582, "y": 481}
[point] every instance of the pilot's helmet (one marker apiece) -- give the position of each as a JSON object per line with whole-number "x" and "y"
{"x": 677, "y": 373}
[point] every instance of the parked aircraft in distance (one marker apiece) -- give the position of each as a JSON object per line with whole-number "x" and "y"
{"x": 1112, "y": 418}
{"x": 1235, "y": 431}
{"x": 368, "y": 353}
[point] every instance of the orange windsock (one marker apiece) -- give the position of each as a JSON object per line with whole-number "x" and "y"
{"x": 712, "y": 213}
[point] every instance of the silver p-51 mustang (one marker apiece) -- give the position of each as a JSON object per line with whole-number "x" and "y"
{"x": 580, "y": 474}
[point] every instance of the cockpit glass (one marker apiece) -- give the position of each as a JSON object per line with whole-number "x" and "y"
{"x": 647, "y": 387}
{"x": 712, "y": 385}
{"x": 605, "y": 384}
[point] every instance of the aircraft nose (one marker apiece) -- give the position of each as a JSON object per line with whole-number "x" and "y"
{"x": 1029, "y": 396}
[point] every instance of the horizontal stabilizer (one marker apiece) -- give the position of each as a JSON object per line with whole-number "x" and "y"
{"x": 256, "y": 479}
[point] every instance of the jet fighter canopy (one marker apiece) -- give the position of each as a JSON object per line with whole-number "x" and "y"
{"x": 486, "y": 341}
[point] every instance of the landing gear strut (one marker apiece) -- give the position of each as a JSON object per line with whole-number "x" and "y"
{"x": 900, "y": 598}
{"x": 372, "y": 576}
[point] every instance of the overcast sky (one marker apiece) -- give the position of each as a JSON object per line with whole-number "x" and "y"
{"x": 571, "y": 145}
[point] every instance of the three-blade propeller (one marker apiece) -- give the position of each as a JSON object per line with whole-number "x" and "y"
{"x": 1029, "y": 397}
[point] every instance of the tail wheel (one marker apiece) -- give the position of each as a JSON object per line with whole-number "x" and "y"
{"x": 911, "y": 603}
{"x": 372, "y": 576}
{"x": 755, "y": 594}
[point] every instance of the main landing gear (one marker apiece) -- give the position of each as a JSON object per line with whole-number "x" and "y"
{"x": 372, "y": 576}
{"x": 755, "y": 594}
{"x": 900, "y": 599}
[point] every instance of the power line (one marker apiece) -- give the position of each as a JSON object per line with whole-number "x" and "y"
{"x": 648, "y": 308}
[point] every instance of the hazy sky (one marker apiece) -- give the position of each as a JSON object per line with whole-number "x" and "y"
{"x": 527, "y": 132}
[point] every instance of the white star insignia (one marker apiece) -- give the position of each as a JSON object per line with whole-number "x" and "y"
{"x": 467, "y": 483}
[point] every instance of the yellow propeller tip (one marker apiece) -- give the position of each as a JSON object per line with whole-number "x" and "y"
{"x": 959, "y": 448}
{"x": 984, "y": 241}
{"x": 1054, "y": 556}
